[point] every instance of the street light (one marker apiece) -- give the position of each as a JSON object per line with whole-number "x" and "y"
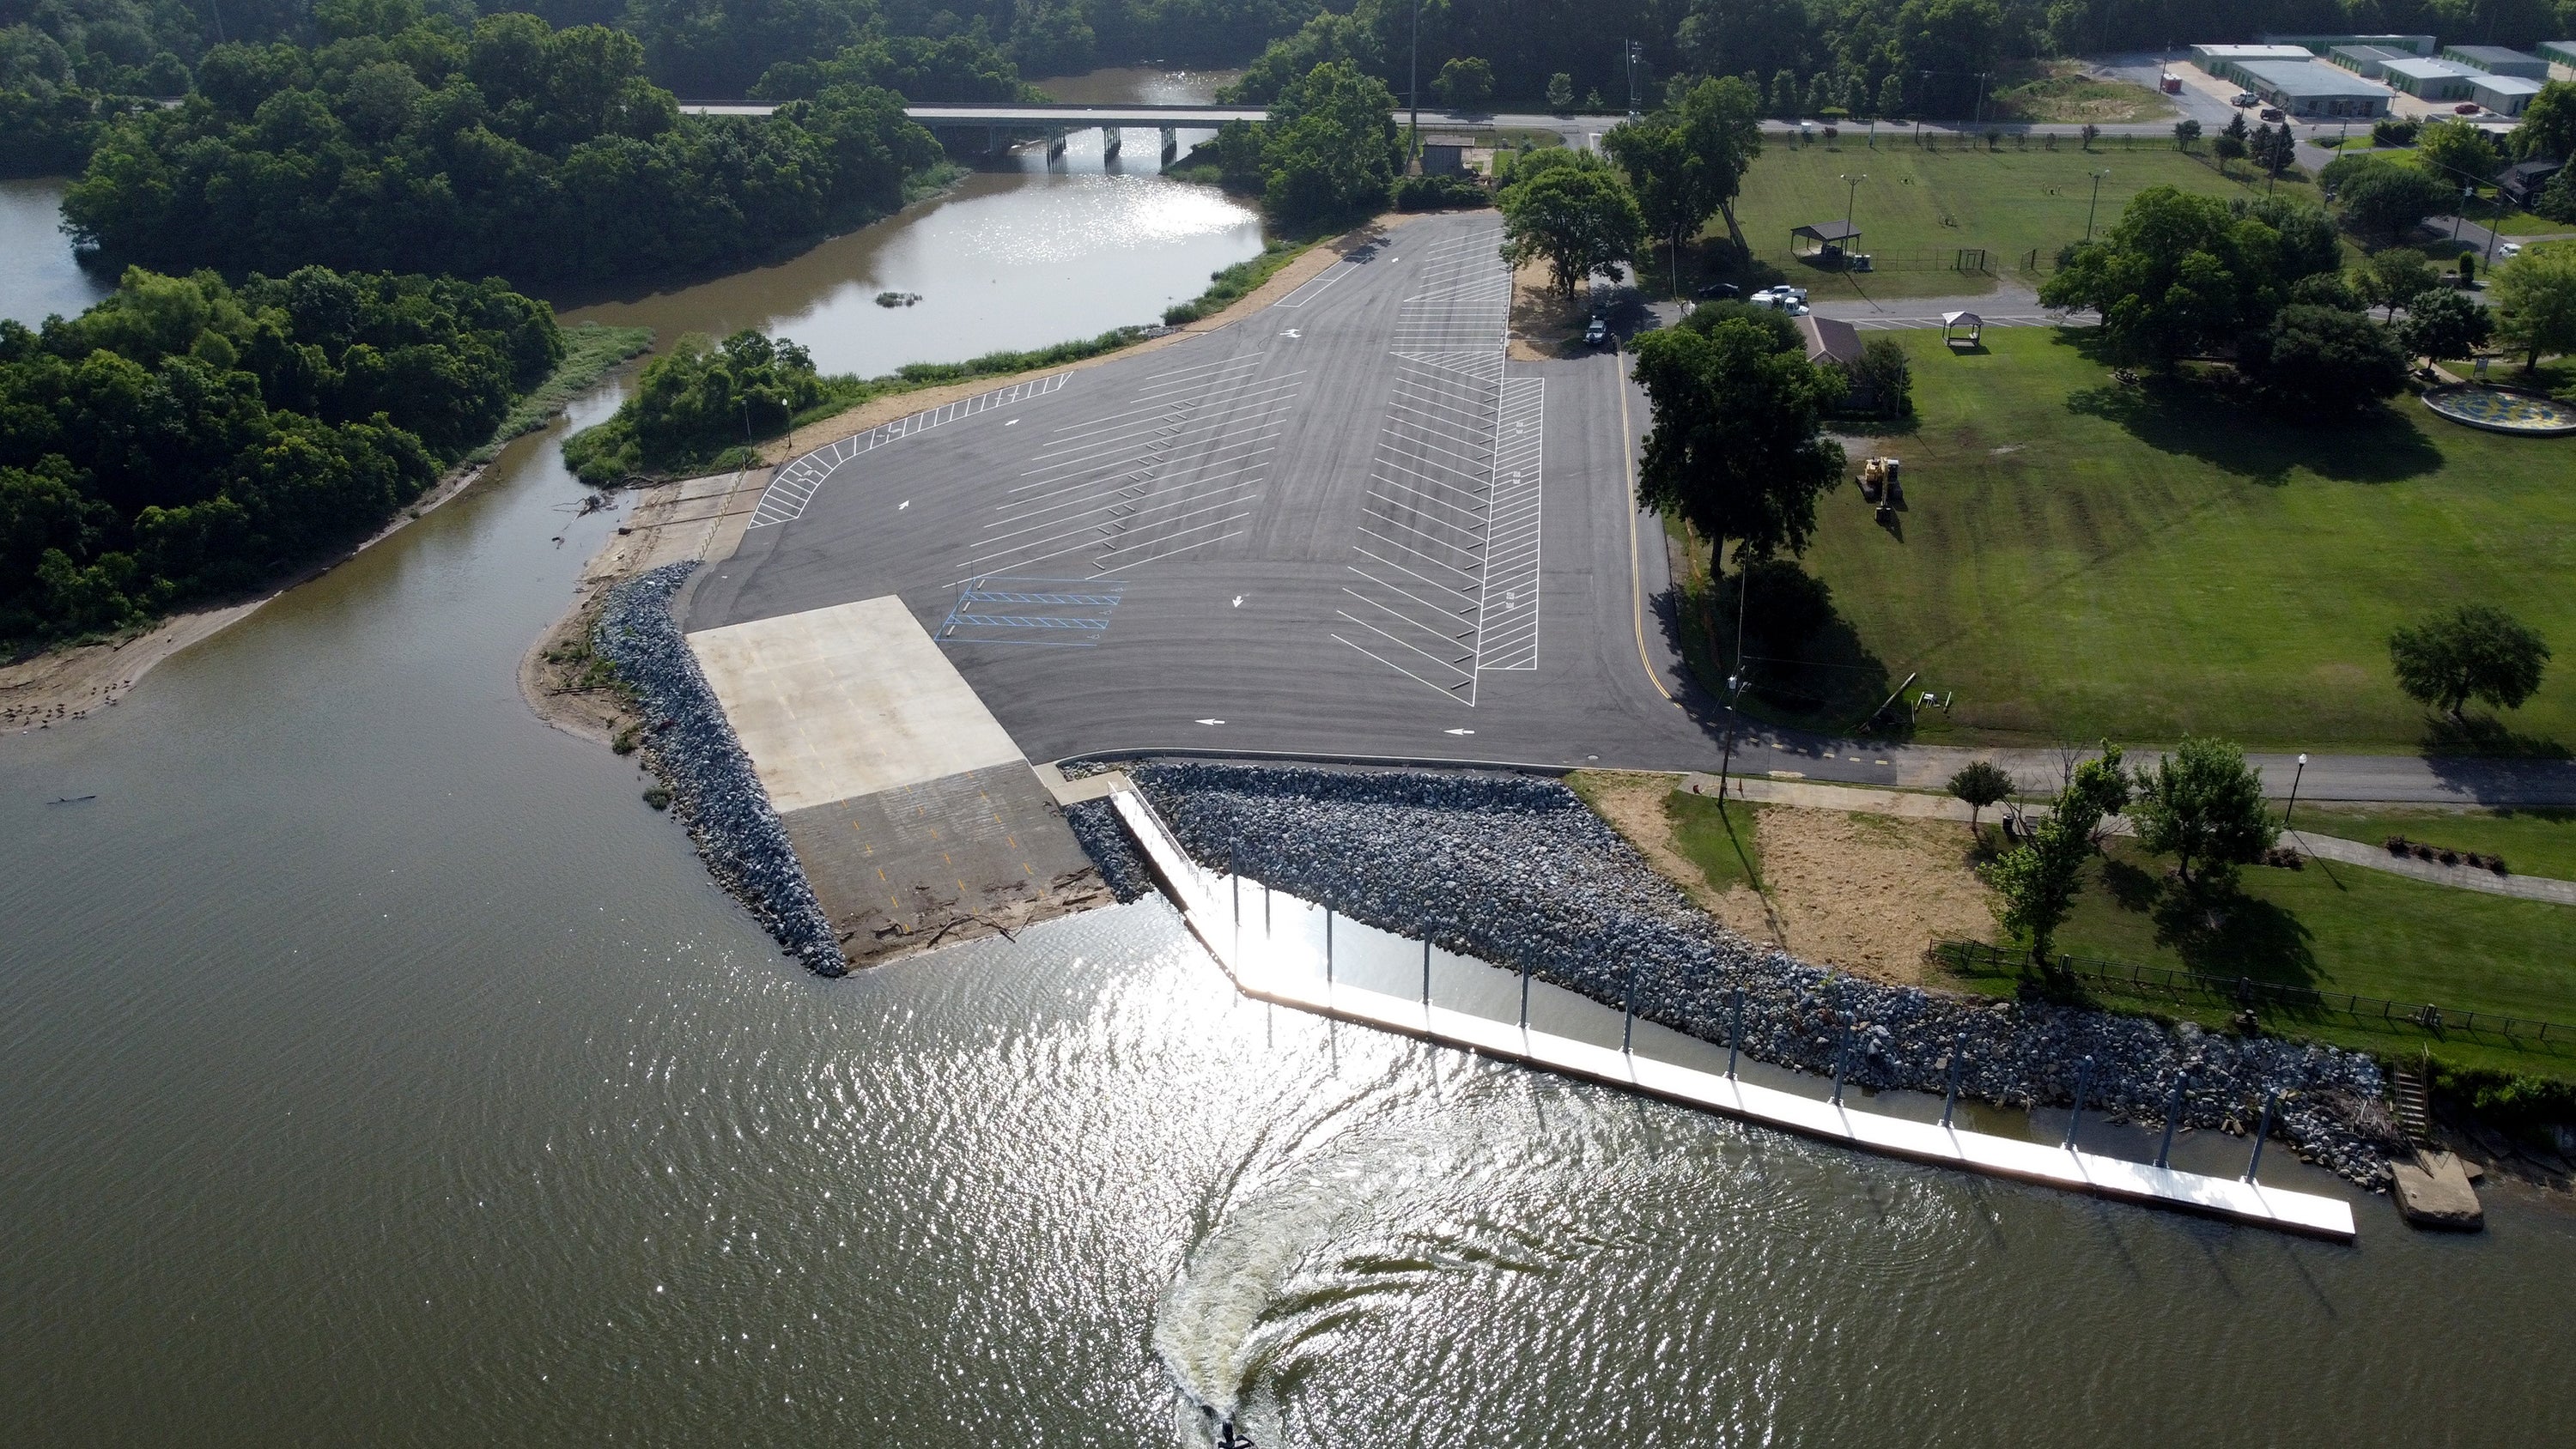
{"x": 1734, "y": 687}
{"x": 2294, "y": 790}
{"x": 1851, "y": 191}
{"x": 1413, "y": 91}
{"x": 2096, "y": 206}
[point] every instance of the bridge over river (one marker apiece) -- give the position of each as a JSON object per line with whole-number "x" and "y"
{"x": 1006, "y": 120}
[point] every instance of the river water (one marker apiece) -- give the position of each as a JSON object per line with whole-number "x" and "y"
{"x": 376, "y": 1068}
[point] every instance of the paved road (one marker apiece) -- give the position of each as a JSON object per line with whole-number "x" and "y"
{"x": 1341, "y": 527}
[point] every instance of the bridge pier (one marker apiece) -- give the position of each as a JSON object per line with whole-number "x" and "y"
{"x": 1055, "y": 143}
{"x": 1110, "y": 139}
{"x": 1171, "y": 142}
{"x": 997, "y": 139}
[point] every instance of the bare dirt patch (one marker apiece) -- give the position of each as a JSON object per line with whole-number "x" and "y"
{"x": 1546, "y": 324}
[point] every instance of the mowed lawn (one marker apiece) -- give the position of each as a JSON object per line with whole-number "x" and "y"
{"x": 2078, "y": 559}
{"x": 2009, "y": 202}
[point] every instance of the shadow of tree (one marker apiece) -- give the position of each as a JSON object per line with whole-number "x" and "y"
{"x": 2221, "y": 931}
{"x": 2190, "y": 418}
{"x": 2132, "y": 888}
{"x": 2489, "y": 738}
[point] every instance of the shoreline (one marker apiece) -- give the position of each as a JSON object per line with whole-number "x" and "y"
{"x": 69, "y": 682}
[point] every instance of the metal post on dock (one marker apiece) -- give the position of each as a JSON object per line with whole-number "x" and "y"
{"x": 1735, "y": 1034}
{"x": 1842, "y": 1050}
{"x": 2083, "y": 1081}
{"x": 1265, "y": 910}
{"x": 1628, "y": 1019}
{"x": 2173, "y": 1118}
{"x": 1237, "y": 884}
{"x": 2254, "y": 1164}
{"x": 1958, "y": 1062}
{"x": 1426, "y": 973}
{"x": 1525, "y": 976}
{"x": 1328, "y": 946}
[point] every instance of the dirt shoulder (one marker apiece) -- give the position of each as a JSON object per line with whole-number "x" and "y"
{"x": 691, "y": 518}
{"x": 40, "y": 690}
{"x": 1862, "y": 892}
{"x": 1287, "y": 279}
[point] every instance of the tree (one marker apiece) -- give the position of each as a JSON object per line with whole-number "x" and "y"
{"x": 2175, "y": 275}
{"x": 1560, "y": 92}
{"x": 1889, "y": 370}
{"x": 1465, "y": 83}
{"x": 2305, "y": 240}
{"x": 1578, "y": 218}
{"x": 2474, "y": 652}
{"x": 2396, "y": 277}
{"x": 1687, "y": 162}
{"x": 2036, "y": 886}
{"x": 2231, "y": 142}
{"x": 2445, "y": 324}
{"x": 2203, "y": 805}
{"x": 1330, "y": 150}
{"x": 1784, "y": 94}
{"x": 2382, "y": 197}
{"x": 2548, "y": 129}
{"x": 2458, "y": 151}
{"x": 1891, "y": 97}
{"x": 2535, "y": 299}
{"x": 2314, "y": 363}
{"x": 1980, "y": 783}
{"x": 2273, "y": 149}
{"x": 1738, "y": 448}
{"x": 2186, "y": 133}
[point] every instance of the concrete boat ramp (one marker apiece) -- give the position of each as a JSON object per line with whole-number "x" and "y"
{"x": 1284, "y": 972}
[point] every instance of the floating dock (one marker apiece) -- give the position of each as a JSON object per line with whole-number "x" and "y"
{"x": 1283, "y": 973}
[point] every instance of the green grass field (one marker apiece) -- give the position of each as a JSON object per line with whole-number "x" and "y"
{"x": 2533, "y": 842}
{"x": 2078, "y": 559}
{"x": 2009, "y": 202}
{"x": 2343, "y": 929}
{"x": 1718, "y": 837}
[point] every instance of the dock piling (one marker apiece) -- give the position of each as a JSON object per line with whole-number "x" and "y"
{"x": 2083, "y": 1081}
{"x": 1426, "y": 973}
{"x": 1525, "y": 978}
{"x": 2254, "y": 1164}
{"x": 1735, "y": 1034}
{"x": 1958, "y": 1061}
{"x": 1328, "y": 945}
{"x": 1842, "y": 1051}
{"x": 2173, "y": 1117}
{"x": 1628, "y": 1018}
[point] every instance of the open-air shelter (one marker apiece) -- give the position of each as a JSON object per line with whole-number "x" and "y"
{"x": 1830, "y": 237}
{"x": 1951, "y": 322}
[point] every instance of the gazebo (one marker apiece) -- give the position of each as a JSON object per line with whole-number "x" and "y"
{"x": 1831, "y": 237}
{"x": 1951, "y": 322}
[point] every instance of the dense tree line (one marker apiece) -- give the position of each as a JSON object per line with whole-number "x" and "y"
{"x": 514, "y": 149}
{"x": 697, "y": 402}
{"x": 186, "y": 438}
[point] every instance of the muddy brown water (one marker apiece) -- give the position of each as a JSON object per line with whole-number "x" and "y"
{"x": 376, "y": 1068}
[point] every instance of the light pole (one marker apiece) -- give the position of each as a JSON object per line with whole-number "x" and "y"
{"x": 1633, "y": 53}
{"x": 2294, "y": 790}
{"x": 2461, "y": 214}
{"x": 1734, "y": 687}
{"x": 2096, "y": 206}
{"x": 1851, "y": 191}
{"x": 1413, "y": 92}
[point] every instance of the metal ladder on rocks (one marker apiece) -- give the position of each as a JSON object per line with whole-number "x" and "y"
{"x": 2410, "y": 1104}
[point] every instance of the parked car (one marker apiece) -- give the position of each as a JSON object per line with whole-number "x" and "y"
{"x": 1597, "y": 333}
{"x": 1721, "y": 289}
{"x": 2508, "y": 249}
{"x": 2467, "y": 108}
{"x": 2246, "y": 98}
{"x": 2271, "y": 113}
{"x": 1783, "y": 297}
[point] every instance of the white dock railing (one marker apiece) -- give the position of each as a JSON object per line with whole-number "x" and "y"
{"x": 1270, "y": 969}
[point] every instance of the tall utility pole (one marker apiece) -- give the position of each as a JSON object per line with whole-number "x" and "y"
{"x": 2096, "y": 206}
{"x": 1413, "y": 91}
{"x": 1630, "y": 53}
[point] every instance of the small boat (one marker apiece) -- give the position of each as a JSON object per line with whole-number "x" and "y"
{"x": 70, "y": 799}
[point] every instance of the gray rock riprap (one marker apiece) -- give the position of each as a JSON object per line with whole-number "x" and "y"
{"x": 692, "y": 747}
{"x": 1519, "y": 872}
{"x": 1103, "y": 836}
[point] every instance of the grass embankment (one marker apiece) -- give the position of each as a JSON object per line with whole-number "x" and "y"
{"x": 1233, "y": 284}
{"x": 2078, "y": 559}
{"x": 2539, "y": 842}
{"x": 2338, "y": 929}
{"x": 2062, "y": 91}
{"x": 590, "y": 350}
{"x": 1721, "y": 837}
{"x": 1921, "y": 206}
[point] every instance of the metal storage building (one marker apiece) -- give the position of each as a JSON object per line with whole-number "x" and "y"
{"x": 2430, "y": 80}
{"x": 2364, "y": 60}
{"x": 2313, "y": 88}
{"x": 2320, "y": 44}
{"x": 2505, "y": 95}
{"x": 2222, "y": 61}
{"x": 2497, "y": 60}
{"x": 2561, "y": 51}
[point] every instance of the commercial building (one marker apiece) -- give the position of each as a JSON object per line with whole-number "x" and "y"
{"x": 1445, "y": 155}
{"x": 2561, "y": 51}
{"x": 2321, "y": 44}
{"x": 2522, "y": 183}
{"x": 2312, "y": 88}
{"x": 2505, "y": 95}
{"x": 2496, "y": 60}
{"x": 2431, "y": 80}
{"x": 2221, "y": 60}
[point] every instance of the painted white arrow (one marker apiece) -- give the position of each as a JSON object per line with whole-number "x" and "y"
{"x": 1457, "y": 732}
{"x": 900, "y": 507}
{"x": 1291, "y": 332}
{"x": 1211, "y": 721}
{"x": 1238, "y": 601}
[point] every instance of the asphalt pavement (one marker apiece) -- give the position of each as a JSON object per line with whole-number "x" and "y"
{"x": 1341, "y": 527}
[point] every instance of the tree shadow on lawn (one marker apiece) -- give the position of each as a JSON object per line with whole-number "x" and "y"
{"x": 2192, "y": 418}
{"x": 2486, "y": 737}
{"x": 2217, "y": 930}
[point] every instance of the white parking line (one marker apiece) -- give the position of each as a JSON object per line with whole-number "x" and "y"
{"x": 800, "y": 478}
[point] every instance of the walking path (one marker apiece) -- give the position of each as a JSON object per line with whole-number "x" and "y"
{"x": 1283, "y": 971}
{"x": 2467, "y": 878}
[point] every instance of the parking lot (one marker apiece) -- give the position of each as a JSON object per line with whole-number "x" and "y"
{"x": 1343, "y": 525}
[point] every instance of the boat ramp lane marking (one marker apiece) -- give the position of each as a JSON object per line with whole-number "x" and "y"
{"x": 1274, "y": 971}
{"x": 800, "y": 478}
